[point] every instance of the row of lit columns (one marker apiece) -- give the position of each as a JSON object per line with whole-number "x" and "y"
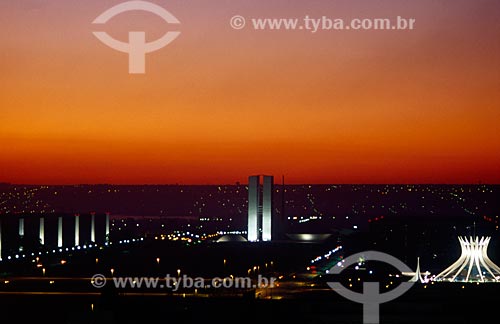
{"x": 41, "y": 230}
{"x": 77, "y": 229}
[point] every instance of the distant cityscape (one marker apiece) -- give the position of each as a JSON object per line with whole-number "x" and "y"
{"x": 54, "y": 240}
{"x": 225, "y": 206}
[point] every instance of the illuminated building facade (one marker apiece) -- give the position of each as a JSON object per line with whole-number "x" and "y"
{"x": 473, "y": 265}
{"x": 260, "y": 208}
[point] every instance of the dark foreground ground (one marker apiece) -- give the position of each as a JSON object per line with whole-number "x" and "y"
{"x": 27, "y": 295}
{"x": 446, "y": 304}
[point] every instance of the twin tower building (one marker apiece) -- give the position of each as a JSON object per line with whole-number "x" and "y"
{"x": 63, "y": 230}
{"x": 260, "y": 208}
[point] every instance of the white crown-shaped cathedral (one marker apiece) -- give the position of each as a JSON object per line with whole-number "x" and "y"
{"x": 473, "y": 264}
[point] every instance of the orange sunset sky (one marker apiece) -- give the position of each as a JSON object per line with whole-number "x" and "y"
{"x": 218, "y": 104}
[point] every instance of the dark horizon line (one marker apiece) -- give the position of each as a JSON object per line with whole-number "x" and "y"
{"x": 241, "y": 183}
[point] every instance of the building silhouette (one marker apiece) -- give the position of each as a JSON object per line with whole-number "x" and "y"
{"x": 260, "y": 208}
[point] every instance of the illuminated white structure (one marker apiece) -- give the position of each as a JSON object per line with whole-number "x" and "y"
{"x": 253, "y": 209}
{"x": 77, "y": 229}
{"x": 418, "y": 275}
{"x": 474, "y": 265}
{"x": 92, "y": 227}
{"x": 267, "y": 209}
{"x": 41, "y": 231}
{"x": 21, "y": 227}
{"x": 106, "y": 229}
{"x": 260, "y": 208}
{"x": 59, "y": 231}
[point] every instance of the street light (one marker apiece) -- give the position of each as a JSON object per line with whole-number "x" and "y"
{"x": 178, "y": 272}
{"x": 112, "y": 271}
{"x": 158, "y": 260}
